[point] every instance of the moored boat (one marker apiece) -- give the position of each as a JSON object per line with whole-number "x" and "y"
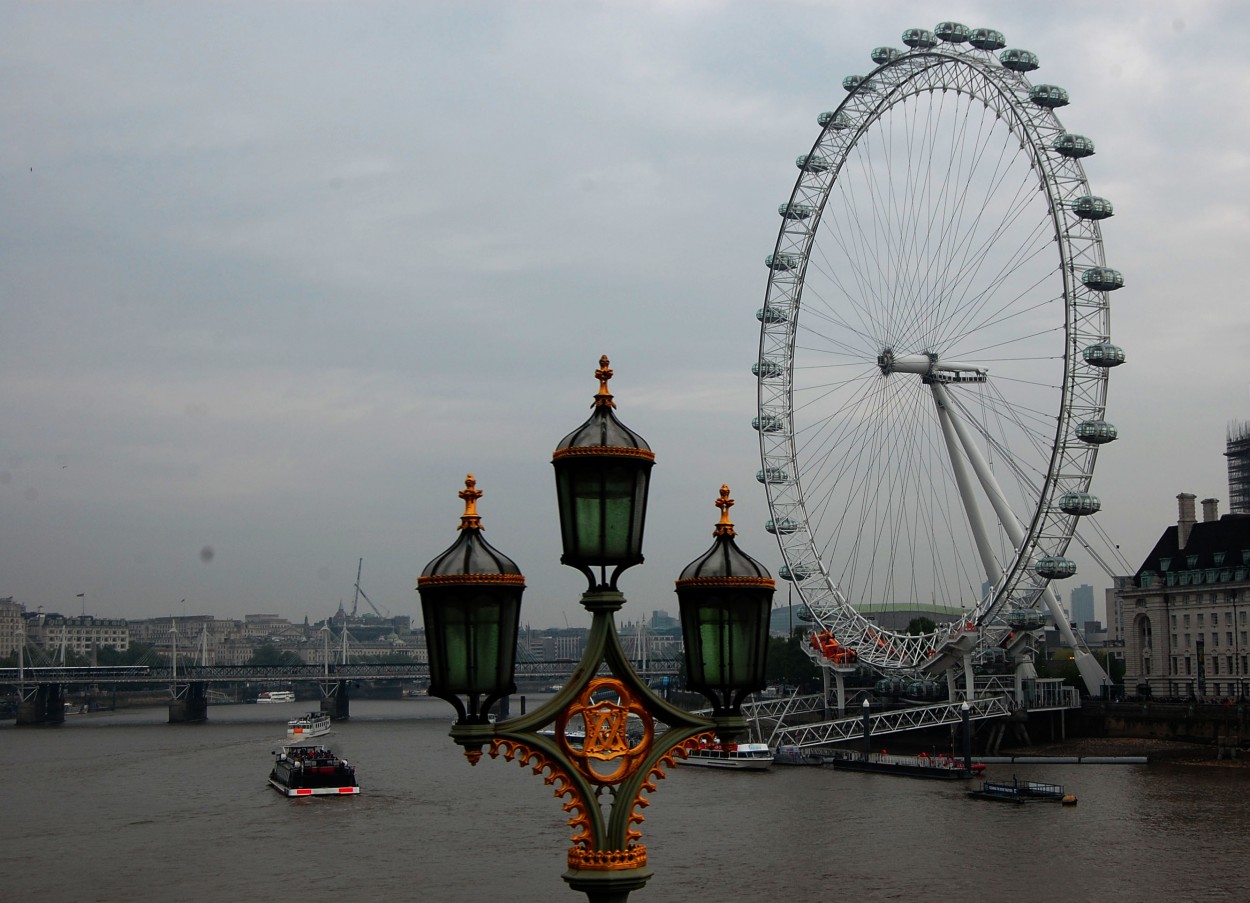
{"x": 314, "y": 724}
{"x": 312, "y": 771}
{"x": 796, "y": 755}
{"x": 940, "y": 767}
{"x": 276, "y": 696}
{"x": 1017, "y": 791}
{"x": 736, "y": 756}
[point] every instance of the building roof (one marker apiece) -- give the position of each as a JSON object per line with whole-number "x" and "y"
{"x": 1213, "y": 545}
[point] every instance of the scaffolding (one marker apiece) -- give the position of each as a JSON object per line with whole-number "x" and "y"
{"x": 1238, "y": 453}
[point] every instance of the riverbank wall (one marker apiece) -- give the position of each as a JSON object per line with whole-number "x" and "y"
{"x": 1224, "y": 726}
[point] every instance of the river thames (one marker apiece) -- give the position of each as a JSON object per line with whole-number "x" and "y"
{"x": 122, "y": 807}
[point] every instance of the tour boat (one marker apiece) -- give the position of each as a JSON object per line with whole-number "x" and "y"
{"x": 276, "y": 696}
{"x": 314, "y": 724}
{"x": 312, "y": 771}
{"x": 738, "y": 756}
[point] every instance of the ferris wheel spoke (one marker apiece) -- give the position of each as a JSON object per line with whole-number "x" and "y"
{"x": 1030, "y": 246}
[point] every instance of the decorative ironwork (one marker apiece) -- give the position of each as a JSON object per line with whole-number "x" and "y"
{"x": 680, "y": 750}
{"x": 470, "y": 493}
{"x": 603, "y": 398}
{"x": 606, "y": 738}
{"x": 608, "y": 860}
{"x": 617, "y": 451}
{"x": 563, "y": 785}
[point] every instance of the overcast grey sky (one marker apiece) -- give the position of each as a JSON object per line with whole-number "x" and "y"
{"x": 275, "y": 276}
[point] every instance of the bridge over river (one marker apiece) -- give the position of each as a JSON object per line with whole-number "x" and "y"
{"x": 804, "y": 722}
{"x": 41, "y": 691}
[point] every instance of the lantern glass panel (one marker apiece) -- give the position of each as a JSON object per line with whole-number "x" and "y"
{"x": 602, "y": 505}
{"x": 471, "y": 634}
{"x": 729, "y": 654}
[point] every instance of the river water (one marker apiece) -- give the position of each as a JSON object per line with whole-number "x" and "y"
{"x": 124, "y": 807}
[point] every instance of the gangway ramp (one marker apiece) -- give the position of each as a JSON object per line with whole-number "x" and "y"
{"x": 781, "y": 706}
{"x": 840, "y": 730}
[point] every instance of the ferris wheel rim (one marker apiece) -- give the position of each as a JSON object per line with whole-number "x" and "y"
{"x": 1082, "y": 393}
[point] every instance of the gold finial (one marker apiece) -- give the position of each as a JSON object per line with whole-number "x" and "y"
{"x": 724, "y": 503}
{"x": 603, "y": 398}
{"x": 470, "y": 493}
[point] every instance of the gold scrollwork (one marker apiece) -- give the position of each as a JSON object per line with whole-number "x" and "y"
{"x": 563, "y": 786}
{"x": 613, "y": 746}
{"x": 678, "y": 751}
{"x": 608, "y": 860}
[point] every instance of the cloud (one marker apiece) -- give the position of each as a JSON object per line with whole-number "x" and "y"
{"x": 276, "y": 288}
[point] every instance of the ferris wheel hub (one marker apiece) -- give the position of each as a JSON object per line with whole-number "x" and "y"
{"x": 931, "y": 367}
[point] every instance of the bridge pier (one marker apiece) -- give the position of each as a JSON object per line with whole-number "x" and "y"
{"x": 190, "y": 704}
{"x": 335, "y": 699}
{"x": 42, "y": 704}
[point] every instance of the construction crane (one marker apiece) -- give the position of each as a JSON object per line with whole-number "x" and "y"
{"x": 360, "y": 594}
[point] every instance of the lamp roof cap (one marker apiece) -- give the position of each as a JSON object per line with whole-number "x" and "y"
{"x": 724, "y": 562}
{"x": 471, "y": 558}
{"x": 603, "y": 431}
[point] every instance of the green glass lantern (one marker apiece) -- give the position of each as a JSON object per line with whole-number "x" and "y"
{"x": 725, "y": 597}
{"x": 603, "y": 470}
{"x": 471, "y": 602}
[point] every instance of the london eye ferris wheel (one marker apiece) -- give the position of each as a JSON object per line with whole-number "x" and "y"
{"x": 934, "y": 353}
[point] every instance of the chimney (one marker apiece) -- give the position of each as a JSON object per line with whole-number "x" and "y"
{"x": 1210, "y": 510}
{"x": 1185, "y": 520}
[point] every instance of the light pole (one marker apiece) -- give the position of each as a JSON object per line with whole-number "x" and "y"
{"x": 965, "y": 718}
{"x": 867, "y": 725}
{"x": 606, "y": 752}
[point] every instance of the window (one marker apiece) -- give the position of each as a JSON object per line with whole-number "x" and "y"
{"x": 1186, "y": 641}
{"x": 1230, "y": 638}
{"x": 1201, "y": 618}
{"x": 1189, "y": 665}
{"x": 1186, "y": 620}
{"x": 1215, "y": 668}
{"x": 1174, "y": 623}
{"x": 1215, "y": 619}
{"x": 1228, "y": 661}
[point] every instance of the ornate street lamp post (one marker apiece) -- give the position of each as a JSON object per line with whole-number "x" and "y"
{"x": 613, "y": 737}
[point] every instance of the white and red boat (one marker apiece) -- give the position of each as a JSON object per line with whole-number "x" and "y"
{"x": 738, "y": 756}
{"x": 314, "y": 724}
{"x": 276, "y": 696}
